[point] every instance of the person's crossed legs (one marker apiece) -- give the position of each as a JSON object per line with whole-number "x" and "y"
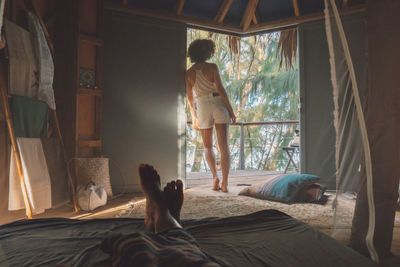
{"x": 167, "y": 239}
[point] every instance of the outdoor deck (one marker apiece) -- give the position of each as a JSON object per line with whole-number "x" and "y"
{"x": 250, "y": 177}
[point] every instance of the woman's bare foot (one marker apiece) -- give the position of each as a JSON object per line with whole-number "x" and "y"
{"x": 173, "y": 193}
{"x": 216, "y": 186}
{"x": 224, "y": 187}
{"x": 158, "y": 217}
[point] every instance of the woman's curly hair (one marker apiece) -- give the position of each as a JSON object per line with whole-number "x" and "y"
{"x": 200, "y": 50}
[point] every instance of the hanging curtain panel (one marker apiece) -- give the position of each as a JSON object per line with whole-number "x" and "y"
{"x": 349, "y": 94}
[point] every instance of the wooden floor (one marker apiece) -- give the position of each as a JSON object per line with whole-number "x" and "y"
{"x": 194, "y": 179}
{"x": 115, "y": 206}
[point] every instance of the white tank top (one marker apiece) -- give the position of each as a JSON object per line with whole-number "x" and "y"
{"x": 202, "y": 86}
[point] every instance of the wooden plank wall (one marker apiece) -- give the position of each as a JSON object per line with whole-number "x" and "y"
{"x": 88, "y": 108}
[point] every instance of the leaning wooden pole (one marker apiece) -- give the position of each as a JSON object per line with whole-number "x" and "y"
{"x": 14, "y": 145}
{"x": 53, "y": 111}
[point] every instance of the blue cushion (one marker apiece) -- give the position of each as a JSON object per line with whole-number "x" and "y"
{"x": 283, "y": 188}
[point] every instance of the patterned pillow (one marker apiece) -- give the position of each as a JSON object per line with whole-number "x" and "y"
{"x": 284, "y": 188}
{"x": 313, "y": 194}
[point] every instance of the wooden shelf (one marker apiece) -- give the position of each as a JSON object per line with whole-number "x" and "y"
{"x": 90, "y": 91}
{"x": 90, "y": 143}
{"x": 91, "y": 39}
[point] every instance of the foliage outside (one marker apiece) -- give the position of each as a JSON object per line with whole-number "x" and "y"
{"x": 259, "y": 91}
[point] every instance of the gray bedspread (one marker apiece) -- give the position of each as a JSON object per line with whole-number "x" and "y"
{"x": 265, "y": 238}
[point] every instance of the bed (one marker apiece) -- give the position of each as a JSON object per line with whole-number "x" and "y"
{"x": 264, "y": 238}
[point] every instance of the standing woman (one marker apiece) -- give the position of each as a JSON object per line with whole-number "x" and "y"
{"x": 213, "y": 107}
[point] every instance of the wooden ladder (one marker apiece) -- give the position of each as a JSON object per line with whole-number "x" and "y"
{"x": 15, "y": 149}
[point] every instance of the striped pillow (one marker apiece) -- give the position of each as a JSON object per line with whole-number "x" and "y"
{"x": 284, "y": 188}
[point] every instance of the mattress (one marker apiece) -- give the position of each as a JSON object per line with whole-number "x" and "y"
{"x": 264, "y": 238}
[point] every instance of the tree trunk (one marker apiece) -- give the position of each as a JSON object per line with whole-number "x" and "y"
{"x": 198, "y": 155}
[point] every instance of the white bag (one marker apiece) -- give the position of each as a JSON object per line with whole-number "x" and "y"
{"x": 91, "y": 196}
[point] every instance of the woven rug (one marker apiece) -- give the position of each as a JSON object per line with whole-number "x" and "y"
{"x": 201, "y": 202}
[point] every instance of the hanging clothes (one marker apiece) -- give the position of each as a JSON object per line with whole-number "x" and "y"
{"x": 2, "y": 2}
{"x": 36, "y": 175}
{"x": 29, "y": 117}
{"x": 44, "y": 61}
{"x": 22, "y": 64}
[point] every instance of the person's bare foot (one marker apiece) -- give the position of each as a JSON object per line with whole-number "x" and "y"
{"x": 150, "y": 183}
{"x": 149, "y": 217}
{"x": 173, "y": 193}
{"x": 224, "y": 187}
{"x": 158, "y": 217}
{"x": 216, "y": 186}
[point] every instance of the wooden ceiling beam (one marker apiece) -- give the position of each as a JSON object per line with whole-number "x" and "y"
{"x": 229, "y": 29}
{"x": 296, "y": 8}
{"x": 222, "y": 11}
{"x": 203, "y": 23}
{"x": 254, "y": 19}
{"x": 248, "y": 14}
{"x": 293, "y": 21}
{"x": 179, "y": 6}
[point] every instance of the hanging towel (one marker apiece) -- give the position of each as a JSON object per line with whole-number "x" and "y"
{"x": 29, "y": 117}
{"x": 36, "y": 177}
{"x": 57, "y": 165}
{"x": 44, "y": 61}
{"x": 23, "y": 70}
{"x": 2, "y": 2}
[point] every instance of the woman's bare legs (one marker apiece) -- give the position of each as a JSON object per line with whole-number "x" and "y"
{"x": 222, "y": 137}
{"x": 206, "y": 135}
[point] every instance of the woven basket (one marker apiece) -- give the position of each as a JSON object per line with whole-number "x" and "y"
{"x": 94, "y": 170}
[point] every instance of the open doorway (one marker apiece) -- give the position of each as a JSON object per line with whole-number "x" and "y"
{"x": 263, "y": 87}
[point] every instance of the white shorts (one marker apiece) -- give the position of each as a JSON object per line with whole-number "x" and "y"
{"x": 210, "y": 110}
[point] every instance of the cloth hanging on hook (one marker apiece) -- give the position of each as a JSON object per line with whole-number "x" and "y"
{"x": 36, "y": 177}
{"x": 44, "y": 61}
{"x": 2, "y": 2}
{"x": 22, "y": 64}
{"x": 29, "y": 117}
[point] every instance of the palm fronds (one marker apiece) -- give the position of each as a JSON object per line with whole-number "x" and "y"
{"x": 234, "y": 45}
{"x": 287, "y": 47}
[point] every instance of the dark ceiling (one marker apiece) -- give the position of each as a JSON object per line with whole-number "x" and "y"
{"x": 203, "y": 13}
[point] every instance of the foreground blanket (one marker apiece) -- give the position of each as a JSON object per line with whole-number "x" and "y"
{"x": 265, "y": 238}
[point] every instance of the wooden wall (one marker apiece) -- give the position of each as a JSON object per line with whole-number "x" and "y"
{"x": 75, "y": 31}
{"x": 79, "y": 42}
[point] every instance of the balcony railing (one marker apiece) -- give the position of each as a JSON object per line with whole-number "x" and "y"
{"x": 250, "y": 148}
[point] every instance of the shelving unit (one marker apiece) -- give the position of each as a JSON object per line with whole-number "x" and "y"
{"x": 88, "y": 139}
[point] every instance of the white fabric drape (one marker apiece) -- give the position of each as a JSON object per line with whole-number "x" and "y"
{"x": 22, "y": 72}
{"x": 2, "y": 2}
{"x": 44, "y": 62}
{"x": 36, "y": 175}
{"x": 351, "y": 133}
{"x": 31, "y": 64}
